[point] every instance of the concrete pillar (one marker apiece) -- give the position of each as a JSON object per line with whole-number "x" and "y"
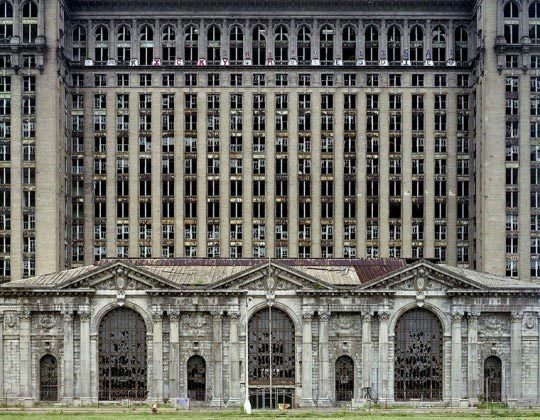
{"x": 366, "y": 350}
{"x": 25, "y": 356}
{"x": 516, "y": 356}
{"x": 174, "y": 354}
{"x": 234, "y": 361}
{"x": 307, "y": 360}
{"x": 383, "y": 357}
{"x": 217, "y": 359}
{"x": 324, "y": 361}
{"x": 85, "y": 357}
{"x": 67, "y": 362}
{"x": 157, "y": 348}
{"x": 473, "y": 374}
{"x": 456, "y": 375}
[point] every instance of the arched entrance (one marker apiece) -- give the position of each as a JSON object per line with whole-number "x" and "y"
{"x": 271, "y": 352}
{"x": 344, "y": 378}
{"x": 122, "y": 356}
{"x": 196, "y": 378}
{"x": 418, "y": 363}
{"x": 493, "y": 379}
{"x": 48, "y": 378}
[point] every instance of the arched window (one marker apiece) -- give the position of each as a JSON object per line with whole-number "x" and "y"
{"x": 326, "y": 45}
{"x": 6, "y": 21}
{"x": 196, "y": 378}
{"x": 438, "y": 46}
{"x": 146, "y": 47}
{"x": 416, "y": 38}
{"x": 29, "y": 22}
{"x": 281, "y": 45}
{"x": 372, "y": 44}
{"x": 48, "y": 378}
{"x": 168, "y": 45}
{"x": 101, "y": 44}
{"x": 511, "y": 22}
{"x": 534, "y": 22}
{"x": 213, "y": 50}
{"x": 393, "y": 44}
{"x": 493, "y": 379}
{"x": 418, "y": 369}
{"x": 348, "y": 45}
{"x": 191, "y": 45}
{"x": 236, "y": 45}
{"x": 259, "y": 45}
{"x": 344, "y": 378}
{"x": 123, "y": 45}
{"x": 303, "y": 45}
{"x": 461, "y": 39}
{"x": 122, "y": 356}
{"x": 78, "y": 43}
{"x": 271, "y": 358}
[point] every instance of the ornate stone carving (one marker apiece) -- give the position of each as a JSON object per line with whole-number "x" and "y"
{"x": 194, "y": 323}
{"x": 384, "y": 316}
{"x": 494, "y": 324}
{"x": 11, "y": 321}
{"x": 516, "y": 316}
{"x": 344, "y": 321}
{"x": 457, "y": 315}
{"x": 174, "y": 315}
{"x": 530, "y": 321}
{"x": 47, "y": 322}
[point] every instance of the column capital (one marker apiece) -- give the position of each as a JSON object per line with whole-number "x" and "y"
{"x": 457, "y": 315}
{"x": 174, "y": 315}
{"x": 367, "y": 316}
{"x": 234, "y": 315}
{"x": 474, "y": 315}
{"x": 25, "y": 314}
{"x": 157, "y": 316}
{"x": 67, "y": 314}
{"x": 384, "y": 316}
{"x": 516, "y": 316}
{"x": 217, "y": 316}
{"x": 324, "y": 315}
{"x": 84, "y": 314}
{"x": 307, "y": 316}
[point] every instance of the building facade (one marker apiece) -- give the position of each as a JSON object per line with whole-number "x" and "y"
{"x": 315, "y": 334}
{"x": 307, "y": 130}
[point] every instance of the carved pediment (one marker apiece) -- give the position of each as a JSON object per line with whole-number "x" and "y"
{"x": 270, "y": 278}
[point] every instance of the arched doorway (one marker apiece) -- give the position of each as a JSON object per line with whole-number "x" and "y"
{"x": 493, "y": 379}
{"x": 418, "y": 368}
{"x": 271, "y": 341}
{"x": 344, "y": 378}
{"x": 196, "y": 378}
{"x": 122, "y": 356}
{"x": 48, "y": 378}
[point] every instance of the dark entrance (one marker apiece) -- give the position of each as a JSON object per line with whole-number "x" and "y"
{"x": 196, "y": 376}
{"x": 122, "y": 356}
{"x": 344, "y": 378}
{"x": 418, "y": 356}
{"x": 271, "y": 366}
{"x": 493, "y": 379}
{"x": 48, "y": 378}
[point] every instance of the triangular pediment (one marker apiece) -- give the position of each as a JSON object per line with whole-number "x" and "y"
{"x": 119, "y": 276}
{"x": 271, "y": 277}
{"x": 422, "y": 276}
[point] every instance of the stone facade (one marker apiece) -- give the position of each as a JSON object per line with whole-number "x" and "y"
{"x": 198, "y": 307}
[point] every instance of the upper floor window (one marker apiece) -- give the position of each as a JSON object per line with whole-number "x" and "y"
{"x": 213, "y": 50}
{"x": 191, "y": 45}
{"x": 461, "y": 48}
{"x": 146, "y": 48}
{"x": 236, "y": 45}
{"x": 511, "y": 22}
{"x": 348, "y": 44}
{"x": 416, "y": 38}
{"x": 393, "y": 44}
{"x": 101, "y": 50}
{"x": 327, "y": 45}
{"x": 123, "y": 45}
{"x": 79, "y": 43}
{"x": 281, "y": 45}
{"x": 168, "y": 44}
{"x": 438, "y": 51}
{"x": 259, "y": 46}
{"x": 534, "y": 24}
{"x": 29, "y": 22}
{"x": 372, "y": 44}
{"x": 303, "y": 45}
{"x": 6, "y": 22}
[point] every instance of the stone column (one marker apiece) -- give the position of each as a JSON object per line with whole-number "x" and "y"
{"x": 217, "y": 359}
{"x": 174, "y": 354}
{"x": 472, "y": 350}
{"x": 157, "y": 351}
{"x": 456, "y": 375}
{"x": 67, "y": 362}
{"x": 2, "y": 388}
{"x": 25, "y": 355}
{"x": 515, "y": 355}
{"x": 324, "y": 361}
{"x": 383, "y": 357}
{"x": 86, "y": 396}
{"x": 234, "y": 361}
{"x": 307, "y": 360}
{"x": 366, "y": 350}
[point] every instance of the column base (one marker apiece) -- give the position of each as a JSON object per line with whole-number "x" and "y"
{"x": 28, "y": 401}
{"x": 307, "y": 402}
{"x": 67, "y": 400}
{"x": 234, "y": 402}
{"x": 473, "y": 402}
{"x": 459, "y": 403}
{"x": 324, "y": 402}
{"x": 217, "y": 402}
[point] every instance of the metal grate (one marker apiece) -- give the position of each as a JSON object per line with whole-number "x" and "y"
{"x": 344, "y": 378}
{"x": 48, "y": 378}
{"x": 196, "y": 374}
{"x": 492, "y": 379}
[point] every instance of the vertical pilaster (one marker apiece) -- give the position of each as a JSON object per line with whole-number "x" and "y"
{"x": 67, "y": 362}
{"x": 157, "y": 348}
{"x": 234, "y": 361}
{"x": 307, "y": 360}
{"x": 2, "y": 388}
{"x": 324, "y": 361}
{"x": 25, "y": 355}
{"x": 456, "y": 375}
{"x": 217, "y": 359}
{"x": 472, "y": 358}
{"x": 516, "y": 355}
{"x": 174, "y": 354}
{"x": 383, "y": 356}
{"x": 366, "y": 350}
{"x": 84, "y": 317}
